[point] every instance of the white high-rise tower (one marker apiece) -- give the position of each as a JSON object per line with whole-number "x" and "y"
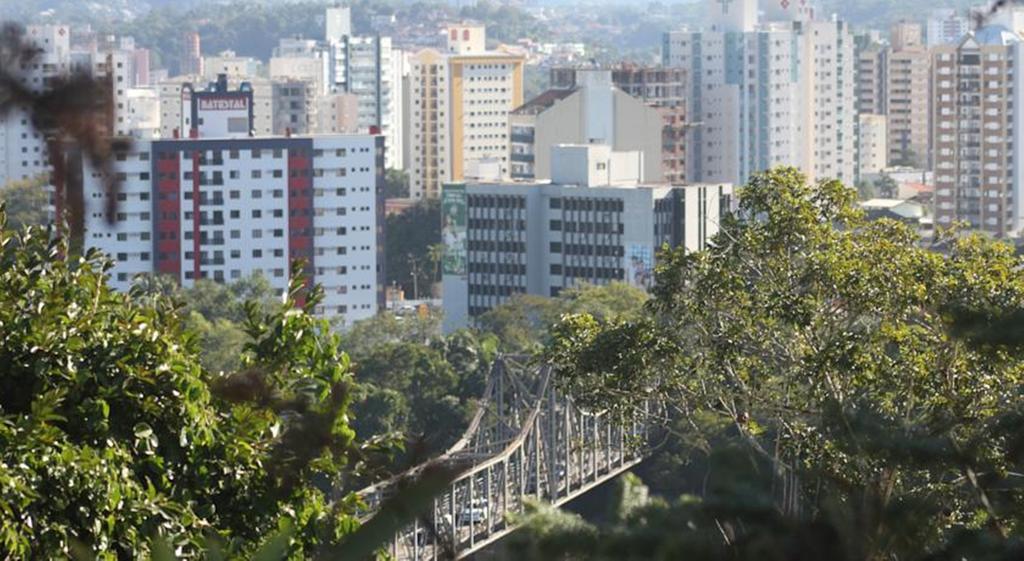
{"x": 768, "y": 92}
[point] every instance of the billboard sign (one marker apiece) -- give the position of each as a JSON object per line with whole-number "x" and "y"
{"x": 640, "y": 266}
{"x": 224, "y": 103}
{"x": 453, "y": 228}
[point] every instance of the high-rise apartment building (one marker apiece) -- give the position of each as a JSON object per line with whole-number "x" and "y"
{"x": 593, "y": 223}
{"x": 279, "y": 106}
{"x": 226, "y": 208}
{"x": 458, "y": 110}
{"x": 905, "y": 35}
{"x": 946, "y": 27}
{"x": 232, "y": 66}
{"x": 592, "y": 111}
{"x": 372, "y": 71}
{"x": 662, "y": 88}
{"x": 23, "y": 151}
{"x": 907, "y": 95}
{"x": 872, "y": 144}
{"x": 337, "y": 23}
{"x": 191, "y": 55}
{"x": 767, "y": 93}
{"x": 871, "y": 76}
{"x": 893, "y": 80}
{"x": 977, "y": 123}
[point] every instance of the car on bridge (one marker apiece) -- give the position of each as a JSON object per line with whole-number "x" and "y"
{"x": 474, "y": 513}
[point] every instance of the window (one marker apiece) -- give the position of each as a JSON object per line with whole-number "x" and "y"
{"x": 257, "y": 253}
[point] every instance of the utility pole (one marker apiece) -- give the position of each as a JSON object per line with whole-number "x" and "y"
{"x": 414, "y": 271}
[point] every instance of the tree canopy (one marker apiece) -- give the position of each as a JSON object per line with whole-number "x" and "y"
{"x": 521, "y": 324}
{"x": 26, "y": 201}
{"x": 112, "y": 433}
{"x": 819, "y": 353}
{"x": 409, "y": 237}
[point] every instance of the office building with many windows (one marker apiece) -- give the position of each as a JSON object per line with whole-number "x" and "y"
{"x": 593, "y": 223}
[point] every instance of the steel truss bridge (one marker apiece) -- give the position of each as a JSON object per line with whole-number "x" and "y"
{"x": 526, "y": 442}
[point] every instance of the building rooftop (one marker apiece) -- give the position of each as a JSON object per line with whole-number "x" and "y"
{"x": 996, "y": 35}
{"x": 543, "y": 101}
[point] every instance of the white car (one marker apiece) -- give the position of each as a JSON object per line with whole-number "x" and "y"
{"x": 473, "y": 514}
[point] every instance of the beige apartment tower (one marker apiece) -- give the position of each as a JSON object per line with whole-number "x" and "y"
{"x": 458, "y": 112}
{"x": 977, "y": 124}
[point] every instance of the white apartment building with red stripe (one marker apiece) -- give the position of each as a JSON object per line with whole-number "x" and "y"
{"x": 226, "y": 208}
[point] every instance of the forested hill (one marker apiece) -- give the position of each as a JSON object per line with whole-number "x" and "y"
{"x": 253, "y": 27}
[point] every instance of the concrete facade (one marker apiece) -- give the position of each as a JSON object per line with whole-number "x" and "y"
{"x": 223, "y": 209}
{"x": 458, "y": 110}
{"x": 976, "y": 131}
{"x": 541, "y": 238}
{"x": 764, "y": 94}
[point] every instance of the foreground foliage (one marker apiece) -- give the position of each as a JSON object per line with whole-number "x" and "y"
{"x": 821, "y": 388}
{"x": 111, "y": 433}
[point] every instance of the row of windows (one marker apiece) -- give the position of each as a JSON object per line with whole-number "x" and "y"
{"x": 492, "y": 290}
{"x": 502, "y": 246}
{"x": 495, "y": 201}
{"x": 587, "y": 227}
{"x": 494, "y": 224}
{"x": 600, "y": 205}
{"x": 586, "y": 249}
{"x": 216, "y": 156}
{"x": 588, "y": 272}
{"x": 498, "y": 268}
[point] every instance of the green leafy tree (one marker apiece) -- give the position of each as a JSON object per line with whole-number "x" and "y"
{"x": 521, "y": 324}
{"x": 111, "y": 433}
{"x": 409, "y": 236}
{"x": 26, "y": 202}
{"x": 396, "y": 184}
{"x": 417, "y": 385}
{"x": 214, "y": 300}
{"x": 425, "y": 378}
{"x": 866, "y": 190}
{"x": 886, "y": 187}
{"x": 386, "y": 328}
{"x": 810, "y": 356}
{"x": 220, "y": 341}
{"x": 214, "y": 312}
